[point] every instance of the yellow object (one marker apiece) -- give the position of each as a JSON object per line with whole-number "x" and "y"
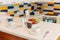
{"x": 22, "y": 8}
{"x": 44, "y": 6}
{"x": 3, "y": 7}
{"x": 37, "y": 20}
{"x": 16, "y": 16}
{"x": 35, "y": 7}
{"x": 32, "y": 2}
{"x": 29, "y": 8}
{"x": 50, "y": 13}
{"x": 50, "y": 2}
{"x": 16, "y": 4}
{"x": 11, "y": 12}
{"x": 57, "y": 7}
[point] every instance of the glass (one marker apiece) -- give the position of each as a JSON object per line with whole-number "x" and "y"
{"x": 17, "y": 22}
{"x": 3, "y": 19}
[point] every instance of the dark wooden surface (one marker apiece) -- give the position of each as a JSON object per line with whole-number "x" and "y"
{"x": 5, "y": 36}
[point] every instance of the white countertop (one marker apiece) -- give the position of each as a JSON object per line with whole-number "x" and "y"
{"x": 54, "y": 31}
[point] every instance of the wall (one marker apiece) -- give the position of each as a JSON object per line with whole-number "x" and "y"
{"x": 51, "y": 8}
{"x": 12, "y": 9}
{"x": 48, "y": 8}
{"x": 17, "y": 1}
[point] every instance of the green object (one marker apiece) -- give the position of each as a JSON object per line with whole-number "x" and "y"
{"x": 37, "y": 20}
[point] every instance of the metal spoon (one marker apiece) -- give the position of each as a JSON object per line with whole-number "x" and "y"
{"x": 47, "y": 32}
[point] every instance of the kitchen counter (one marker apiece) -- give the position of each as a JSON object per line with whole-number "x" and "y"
{"x": 54, "y": 31}
{"x": 24, "y": 32}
